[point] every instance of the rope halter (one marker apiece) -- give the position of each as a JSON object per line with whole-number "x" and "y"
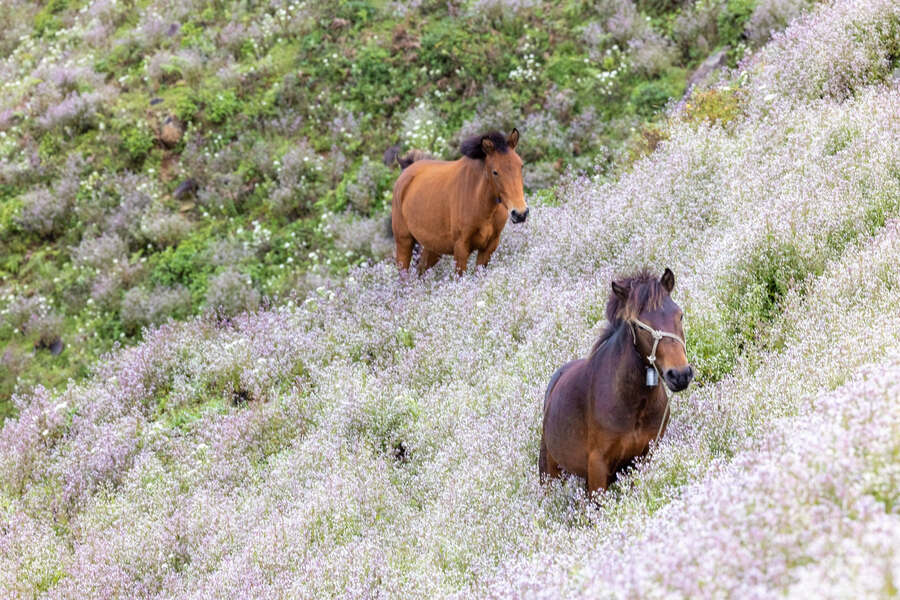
{"x": 657, "y": 336}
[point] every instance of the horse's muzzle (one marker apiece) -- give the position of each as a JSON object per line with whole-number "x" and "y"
{"x": 518, "y": 217}
{"x": 678, "y": 379}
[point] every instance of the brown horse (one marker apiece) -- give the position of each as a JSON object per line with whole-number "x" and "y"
{"x": 460, "y": 206}
{"x": 601, "y": 412}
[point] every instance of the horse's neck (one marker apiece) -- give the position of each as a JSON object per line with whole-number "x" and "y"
{"x": 619, "y": 361}
{"x": 471, "y": 177}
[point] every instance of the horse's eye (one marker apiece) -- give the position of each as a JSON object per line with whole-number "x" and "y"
{"x": 496, "y": 173}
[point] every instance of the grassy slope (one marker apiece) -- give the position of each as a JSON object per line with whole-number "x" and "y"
{"x": 286, "y": 110}
{"x": 382, "y": 436}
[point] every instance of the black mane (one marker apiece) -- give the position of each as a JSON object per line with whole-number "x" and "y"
{"x": 645, "y": 293}
{"x": 472, "y": 146}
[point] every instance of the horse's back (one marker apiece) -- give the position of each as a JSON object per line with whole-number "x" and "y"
{"x": 554, "y": 378}
{"x": 566, "y": 392}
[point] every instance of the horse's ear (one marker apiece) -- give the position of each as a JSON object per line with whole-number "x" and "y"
{"x": 668, "y": 280}
{"x": 620, "y": 290}
{"x": 513, "y": 140}
{"x": 487, "y": 145}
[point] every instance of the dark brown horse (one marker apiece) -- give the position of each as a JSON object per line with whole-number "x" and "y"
{"x": 460, "y": 206}
{"x": 601, "y": 412}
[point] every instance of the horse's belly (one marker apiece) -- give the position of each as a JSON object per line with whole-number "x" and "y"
{"x": 435, "y": 242}
{"x": 429, "y": 222}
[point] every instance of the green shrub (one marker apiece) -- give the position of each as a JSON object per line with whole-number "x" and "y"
{"x": 648, "y": 98}
{"x": 222, "y": 106}
{"x": 46, "y": 21}
{"x": 184, "y": 264}
{"x": 714, "y": 105}
{"x": 137, "y": 141}
{"x": 732, "y": 20}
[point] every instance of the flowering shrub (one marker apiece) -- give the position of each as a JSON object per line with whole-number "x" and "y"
{"x": 21, "y": 310}
{"x": 420, "y": 129}
{"x": 773, "y": 15}
{"x": 75, "y": 110}
{"x": 500, "y": 9}
{"x": 370, "y": 187}
{"x": 230, "y": 293}
{"x": 100, "y": 251}
{"x": 43, "y": 212}
{"x": 824, "y": 53}
{"x": 164, "y": 229}
{"x": 141, "y": 307}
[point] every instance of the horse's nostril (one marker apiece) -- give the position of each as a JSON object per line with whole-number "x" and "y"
{"x": 670, "y": 374}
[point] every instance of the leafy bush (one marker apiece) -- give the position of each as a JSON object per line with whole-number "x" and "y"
{"x": 732, "y": 20}
{"x": 365, "y": 193}
{"x": 137, "y": 141}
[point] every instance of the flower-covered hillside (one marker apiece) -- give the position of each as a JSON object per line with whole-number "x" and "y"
{"x": 380, "y": 438}
{"x": 163, "y": 158}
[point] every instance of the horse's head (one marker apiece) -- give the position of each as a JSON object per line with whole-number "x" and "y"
{"x": 503, "y": 168}
{"x": 656, "y": 323}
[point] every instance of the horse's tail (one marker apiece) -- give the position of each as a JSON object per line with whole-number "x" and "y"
{"x": 542, "y": 455}
{"x": 412, "y": 156}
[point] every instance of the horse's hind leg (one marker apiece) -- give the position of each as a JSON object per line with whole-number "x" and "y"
{"x": 427, "y": 259}
{"x": 404, "y": 251}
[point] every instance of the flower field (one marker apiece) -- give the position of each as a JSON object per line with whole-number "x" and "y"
{"x": 161, "y": 159}
{"x": 378, "y": 438}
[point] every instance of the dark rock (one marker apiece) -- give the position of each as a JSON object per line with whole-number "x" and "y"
{"x": 240, "y": 398}
{"x": 390, "y": 155}
{"x": 155, "y": 101}
{"x": 186, "y": 188}
{"x": 55, "y": 346}
{"x": 401, "y": 454}
{"x": 712, "y": 63}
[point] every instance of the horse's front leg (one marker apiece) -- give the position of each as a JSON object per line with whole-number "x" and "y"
{"x": 598, "y": 472}
{"x": 484, "y": 255}
{"x": 461, "y": 252}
